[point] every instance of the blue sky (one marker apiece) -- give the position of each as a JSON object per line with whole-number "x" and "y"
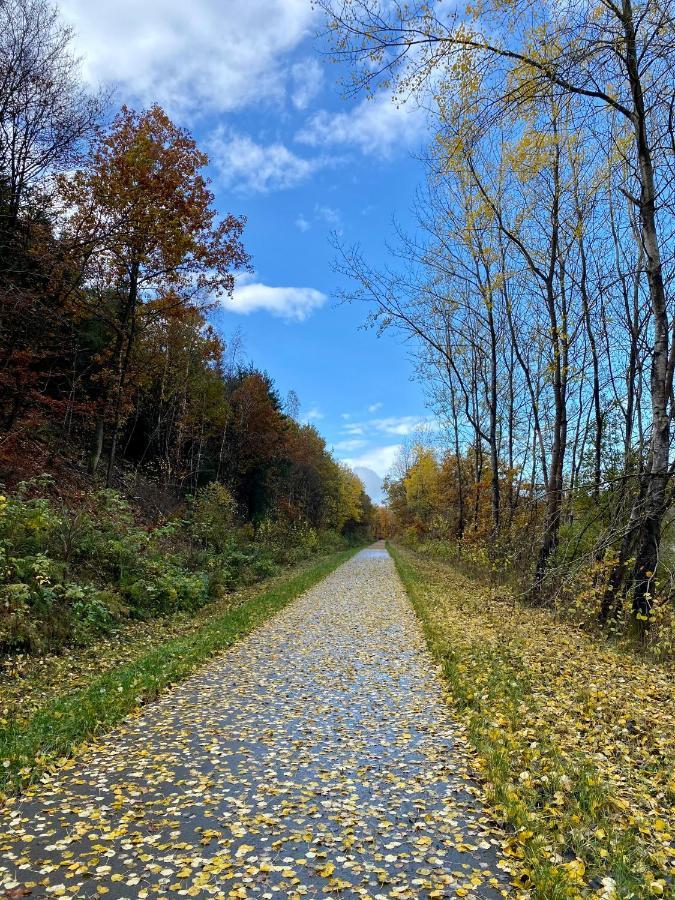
{"x": 301, "y": 162}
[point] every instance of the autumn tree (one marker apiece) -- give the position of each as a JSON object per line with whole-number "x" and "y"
{"x": 254, "y": 440}
{"x": 307, "y": 483}
{"x": 46, "y": 120}
{"x": 349, "y": 509}
{"x": 142, "y": 217}
{"x": 421, "y": 485}
{"x": 181, "y": 413}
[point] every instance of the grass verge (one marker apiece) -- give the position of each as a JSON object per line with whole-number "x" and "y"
{"x": 573, "y": 740}
{"x": 30, "y": 746}
{"x": 28, "y": 681}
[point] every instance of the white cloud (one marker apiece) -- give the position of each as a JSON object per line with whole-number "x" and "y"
{"x": 327, "y": 214}
{"x": 302, "y": 223}
{"x": 374, "y": 126}
{"x": 350, "y": 446}
{"x": 392, "y": 425}
{"x": 243, "y": 164}
{"x": 307, "y": 80}
{"x": 380, "y": 459}
{"x": 373, "y": 408}
{"x": 372, "y": 483}
{"x": 403, "y": 425}
{"x": 314, "y": 415}
{"x": 202, "y": 55}
{"x": 285, "y": 302}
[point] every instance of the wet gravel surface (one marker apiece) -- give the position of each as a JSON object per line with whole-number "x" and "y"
{"x": 316, "y": 757}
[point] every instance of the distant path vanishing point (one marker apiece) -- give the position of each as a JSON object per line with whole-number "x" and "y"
{"x": 316, "y": 757}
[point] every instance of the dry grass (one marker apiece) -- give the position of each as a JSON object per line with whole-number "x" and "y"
{"x": 574, "y": 738}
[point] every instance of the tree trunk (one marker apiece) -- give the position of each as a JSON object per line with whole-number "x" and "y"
{"x": 128, "y": 325}
{"x": 494, "y": 401}
{"x": 559, "y": 343}
{"x": 458, "y": 460}
{"x": 649, "y": 515}
{"x": 97, "y": 446}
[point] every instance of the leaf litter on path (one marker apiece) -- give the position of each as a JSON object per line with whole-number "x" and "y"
{"x": 316, "y": 757}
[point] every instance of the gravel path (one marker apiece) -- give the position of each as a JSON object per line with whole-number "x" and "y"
{"x": 315, "y": 757}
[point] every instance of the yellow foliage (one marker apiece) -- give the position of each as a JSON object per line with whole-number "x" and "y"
{"x": 350, "y": 488}
{"x": 421, "y": 483}
{"x": 575, "y": 739}
{"x": 530, "y": 154}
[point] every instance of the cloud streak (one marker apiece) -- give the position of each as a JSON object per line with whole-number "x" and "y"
{"x": 244, "y": 165}
{"x": 380, "y": 459}
{"x": 401, "y": 426}
{"x": 376, "y": 127}
{"x": 349, "y": 446}
{"x": 307, "y": 80}
{"x": 313, "y": 415}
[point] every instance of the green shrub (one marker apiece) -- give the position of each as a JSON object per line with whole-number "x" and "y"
{"x": 35, "y": 613}
{"x": 330, "y": 541}
{"x": 27, "y": 525}
{"x": 287, "y": 542}
{"x": 238, "y": 565}
{"x": 59, "y": 568}
{"x": 68, "y": 575}
{"x": 222, "y": 577}
{"x": 107, "y": 541}
{"x": 41, "y": 616}
{"x": 94, "y": 612}
{"x": 214, "y": 512}
{"x": 165, "y": 588}
{"x": 264, "y": 566}
{"x": 18, "y": 626}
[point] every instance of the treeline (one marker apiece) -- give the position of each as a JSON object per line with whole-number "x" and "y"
{"x": 112, "y": 255}
{"x": 538, "y": 283}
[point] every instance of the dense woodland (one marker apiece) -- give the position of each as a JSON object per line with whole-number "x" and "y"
{"x": 175, "y": 470}
{"x": 537, "y": 286}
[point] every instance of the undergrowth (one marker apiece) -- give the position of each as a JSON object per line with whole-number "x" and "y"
{"x": 30, "y": 747}
{"x": 71, "y": 573}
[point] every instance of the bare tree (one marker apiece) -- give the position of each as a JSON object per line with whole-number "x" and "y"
{"x": 45, "y": 112}
{"x": 611, "y": 62}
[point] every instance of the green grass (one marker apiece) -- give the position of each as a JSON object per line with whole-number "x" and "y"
{"x": 29, "y": 747}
